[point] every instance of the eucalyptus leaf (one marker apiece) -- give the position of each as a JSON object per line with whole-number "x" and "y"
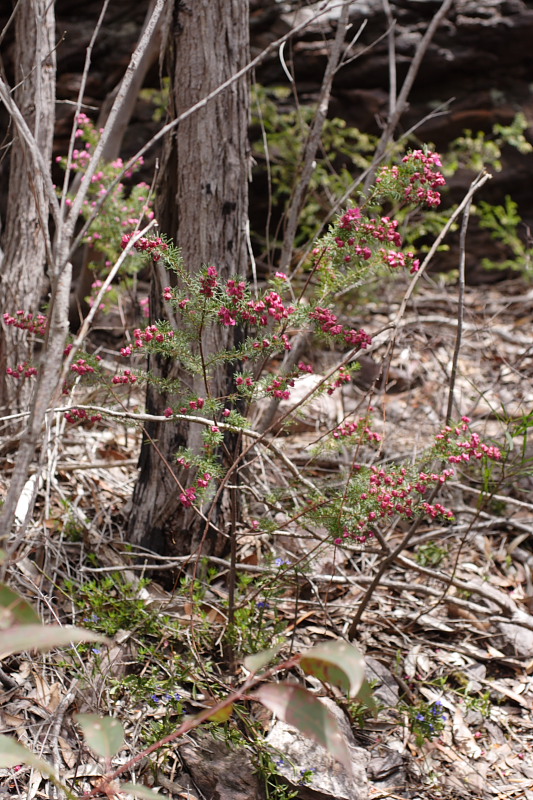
{"x": 302, "y": 710}
{"x": 366, "y": 698}
{"x": 13, "y": 753}
{"x": 257, "y": 661}
{"x": 15, "y": 610}
{"x": 104, "y": 735}
{"x": 337, "y": 663}
{"x": 222, "y": 714}
{"x": 17, "y": 638}
{"x": 143, "y": 792}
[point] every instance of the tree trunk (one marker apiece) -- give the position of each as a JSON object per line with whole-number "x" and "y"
{"x": 203, "y": 205}
{"x": 26, "y": 236}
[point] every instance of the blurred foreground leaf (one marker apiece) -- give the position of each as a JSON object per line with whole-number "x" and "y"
{"x": 104, "y": 735}
{"x": 42, "y": 637}
{"x": 302, "y": 710}
{"x": 337, "y": 663}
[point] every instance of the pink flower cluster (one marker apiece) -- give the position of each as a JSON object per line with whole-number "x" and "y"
{"x": 256, "y": 312}
{"x": 329, "y": 324}
{"x": 264, "y": 344}
{"x": 95, "y": 286}
{"x": 436, "y": 510}
{"x": 225, "y": 316}
{"x": 417, "y": 177}
{"x": 80, "y": 414}
{"x": 360, "y": 428}
{"x": 464, "y": 444}
{"x": 21, "y": 370}
{"x": 236, "y": 289}
{"x": 149, "y": 334}
{"x": 189, "y": 496}
{"x": 145, "y": 245}
{"x": 425, "y": 179}
{"x": 194, "y": 405}
{"x": 383, "y": 230}
{"x": 128, "y": 377}
{"x": 242, "y": 380}
{"x": 399, "y": 260}
{"x": 27, "y": 322}
{"x": 303, "y": 367}
{"x": 82, "y": 367}
{"x": 275, "y": 307}
{"x": 80, "y": 158}
{"x": 209, "y": 282}
{"x": 278, "y": 388}
{"x": 355, "y": 240}
{"x": 342, "y": 377}
{"x": 355, "y": 236}
{"x": 390, "y": 493}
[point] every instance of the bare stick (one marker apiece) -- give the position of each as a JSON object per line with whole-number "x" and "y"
{"x": 79, "y": 102}
{"x": 92, "y": 312}
{"x": 289, "y": 360}
{"x": 48, "y": 383}
{"x": 10, "y": 20}
{"x": 460, "y": 310}
{"x": 224, "y": 426}
{"x": 47, "y": 386}
{"x": 407, "y": 85}
{"x": 312, "y": 143}
{"x": 353, "y": 186}
{"x": 385, "y": 563}
{"x": 115, "y": 112}
{"x": 476, "y": 184}
{"x": 392, "y": 57}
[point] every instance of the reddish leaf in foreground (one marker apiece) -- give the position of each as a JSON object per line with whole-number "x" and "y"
{"x": 337, "y": 663}
{"x": 302, "y": 710}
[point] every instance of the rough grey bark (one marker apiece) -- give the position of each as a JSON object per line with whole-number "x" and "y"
{"x": 26, "y": 240}
{"x": 203, "y": 206}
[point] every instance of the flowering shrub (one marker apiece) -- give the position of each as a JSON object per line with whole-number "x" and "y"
{"x": 376, "y": 496}
{"x": 360, "y": 240}
{"x": 417, "y": 176}
{"x": 21, "y": 370}
{"x": 125, "y": 209}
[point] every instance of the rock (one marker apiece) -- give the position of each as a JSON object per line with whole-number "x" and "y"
{"x": 387, "y": 770}
{"x": 385, "y": 689}
{"x": 517, "y": 637}
{"x": 220, "y": 772}
{"x": 330, "y": 781}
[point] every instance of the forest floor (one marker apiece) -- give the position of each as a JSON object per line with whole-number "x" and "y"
{"x": 447, "y": 635}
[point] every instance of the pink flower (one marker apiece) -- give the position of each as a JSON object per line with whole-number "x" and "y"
{"x": 225, "y": 316}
